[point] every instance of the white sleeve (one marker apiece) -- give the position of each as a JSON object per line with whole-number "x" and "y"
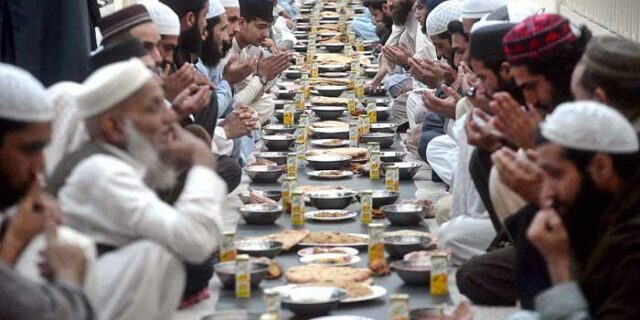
{"x": 220, "y": 144}
{"x": 251, "y": 92}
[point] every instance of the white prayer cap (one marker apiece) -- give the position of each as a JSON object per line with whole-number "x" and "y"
{"x": 231, "y": 3}
{"x": 476, "y": 9}
{"x": 110, "y": 85}
{"x": 439, "y": 18}
{"x": 165, "y": 19}
{"x": 215, "y": 9}
{"x": 22, "y": 97}
{"x": 513, "y": 12}
{"x": 590, "y": 126}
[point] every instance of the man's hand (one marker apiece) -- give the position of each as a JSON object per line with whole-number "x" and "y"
{"x": 399, "y": 55}
{"x": 427, "y": 72}
{"x": 236, "y": 71}
{"x": 548, "y": 234}
{"x": 191, "y": 100}
{"x": 376, "y": 83}
{"x": 523, "y": 176}
{"x": 186, "y": 150}
{"x": 517, "y": 124}
{"x": 239, "y": 123}
{"x": 62, "y": 262}
{"x": 176, "y": 82}
{"x": 273, "y": 66}
{"x": 449, "y": 74}
{"x": 445, "y": 107}
{"x": 480, "y": 135}
{"x": 270, "y": 45}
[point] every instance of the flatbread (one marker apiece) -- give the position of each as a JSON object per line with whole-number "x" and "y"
{"x": 330, "y": 237}
{"x": 354, "y": 289}
{"x": 354, "y": 153}
{"x": 331, "y": 101}
{"x": 327, "y": 274}
{"x": 337, "y": 58}
{"x": 426, "y": 255}
{"x": 330, "y": 124}
{"x": 328, "y": 82}
{"x": 289, "y": 238}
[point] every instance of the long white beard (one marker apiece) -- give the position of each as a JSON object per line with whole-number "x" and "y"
{"x": 160, "y": 175}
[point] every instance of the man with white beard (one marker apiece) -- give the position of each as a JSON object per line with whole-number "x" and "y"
{"x": 107, "y": 189}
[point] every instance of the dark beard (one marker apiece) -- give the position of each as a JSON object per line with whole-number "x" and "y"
{"x": 191, "y": 40}
{"x": 226, "y": 46}
{"x": 583, "y": 218}
{"x": 400, "y": 12}
{"x": 509, "y": 86}
{"x": 211, "y": 54}
{"x": 8, "y": 195}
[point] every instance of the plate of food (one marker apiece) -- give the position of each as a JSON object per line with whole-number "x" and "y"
{"x": 330, "y": 259}
{"x": 330, "y": 174}
{"x": 317, "y": 250}
{"x": 334, "y": 239}
{"x": 330, "y": 215}
{"x": 329, "y": 143}
{"x": 356, "y": 291}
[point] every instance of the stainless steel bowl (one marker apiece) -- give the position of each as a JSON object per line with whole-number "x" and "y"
{"x": 330, "y": 91}
{"x": 264, "y": 174}
{"x": 278, "y": 157}
{"x": 383, "y": 127}
{"x": 303, "y": 27}
{"x": 428, "y": 313}
{"x": 392, "y": 156}
{"x": 274, "y": 195}
{"x": 413, "y": 272}
{"x": 331, "y": 133}
{"x": 331, "y": 199}
{"x": 294, "y": 74}
{"x": 279, "y": 104}
{"x": 259, "y": 248}
{"x": 382, "y": 197}
{"x": 234, "y": 315}
{"x": 335, "y": 74}
{"x": 334, "y": 47}
{"x": 404, "y": 214}
{"x": 383, "y": 113}
{"x": 280, "y": 115}
{"x": 328, "y": 162}
{"x": 226, "y": 271}
{"x": 301, "y": 34}
{"x": 384, "y": 139}
{"x": 278, "y": 142}
{"x": 331, "y": 68}
{"x": 272, "y": 129}
{"x": 329, "y": 112}
{"x": 260, "y": 213}
{"x": 300, "y": 48}
{"x": 398, "y": 246}
{"x": 371, "y": 72}
{"x": 312, "y": 301}
{"x": 285, "y": 94}
{"x": 407, "y": 169}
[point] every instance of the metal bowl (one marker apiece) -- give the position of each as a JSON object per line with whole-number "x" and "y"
{"x": 259, "y": 248}
{"x": 404, "y": 214}
{"x": 330, "y": 91}
{"x": 279, "y": 104}
{"x": 383, "y": 113}
{"x": 413, "y": 272}
{"x": 260, "y": 213}
{"x": 384, "y": 139}
{"x": 331, "y": 67}
{"x": 293, "y": 74}
{"x": 331, "y": 199}
{"x": 280, "y": 115}
{"x": 392, "y": 156}
{"x": 274, "y": 195}
{"x": 331, "y": 133}
{"x": 264, "y": 174}
{"x": 335, "y": 74}
{"x": 382, "y": 197}
{"x": 233, "y": 315}
{"x": 383, "y": 127}
{"x": 272, "y": 129}
{"x": 398, "y": 246}
{"x": 278, "y": 142}
{"x": 226, "y": 271}
{"x": 279, "y": 158}
{"x": 328, "y": 162}
{"x": 334, "y": 47}
{"x": 312, "y": 301}
{"x": 407, "y": 169}
{"x": 301, "y": 34}
{"x": 370, "y": 72}
{"x": 285, "y": 94}
{"x": 426, "y": 313}
{"x": 329, "y": 112}
{"x": 300, "y": 48}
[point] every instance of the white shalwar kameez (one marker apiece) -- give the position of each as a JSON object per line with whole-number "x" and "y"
{"x": 106, "y": 198}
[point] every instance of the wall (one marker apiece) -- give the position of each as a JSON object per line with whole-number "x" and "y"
{"x": 615, "y": 17}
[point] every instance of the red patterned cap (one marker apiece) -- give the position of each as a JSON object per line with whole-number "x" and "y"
{"x": 537, "y": 36}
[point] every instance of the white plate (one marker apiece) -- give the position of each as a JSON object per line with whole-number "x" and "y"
{"x": 347, "y": 214}
{"x": 324, "y": 143}
{"x": 342, "y": 318}
{"x": 345, "y": 250}
{"x": 316, "y": 174}
{"x": 378, "y": 292}
{"x": 364, "y": 243}
{"x": 312, "y": 259}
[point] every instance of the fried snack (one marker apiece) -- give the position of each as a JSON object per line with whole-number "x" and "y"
{"x": 289, "y": 238}
{"x": 257, "y": 198}
{"x": 377, "y": 214}
{"x": 274, "y": 271}
{"x": 379, "y": 268}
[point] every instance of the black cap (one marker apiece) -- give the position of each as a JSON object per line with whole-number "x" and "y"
{"x": 123, "y": 20}
{"x": 119, "y": 51}
{"x": 487, "y": 40}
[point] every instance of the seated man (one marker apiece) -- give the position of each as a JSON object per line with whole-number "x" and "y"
{"x": 107, "y": 189}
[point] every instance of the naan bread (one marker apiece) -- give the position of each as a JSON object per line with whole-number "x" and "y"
{"x": 326, "y": 274}
{"x": 328, "y": 82}
{"x": 330, "y": 124}
{"x": 328, "y": 237}
{"x": 328, "y": 101}
{"x": 354, "y": 153}
{"x": 425, "y": 256}
{"x": 289, "y": 238}
{"x": 354, "y": 289}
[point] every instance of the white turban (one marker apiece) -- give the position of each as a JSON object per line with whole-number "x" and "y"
{"x": 476, "y": 9}
{"x": 590, "y": 126}
{"x": 165, "y": 19}
{"x": 439, "y": 18}
{"x": 110, "y": 85}
{"x": 215, "y": 9}
{"x": 22, "y": 97}
{"x": 231, "y": 3}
